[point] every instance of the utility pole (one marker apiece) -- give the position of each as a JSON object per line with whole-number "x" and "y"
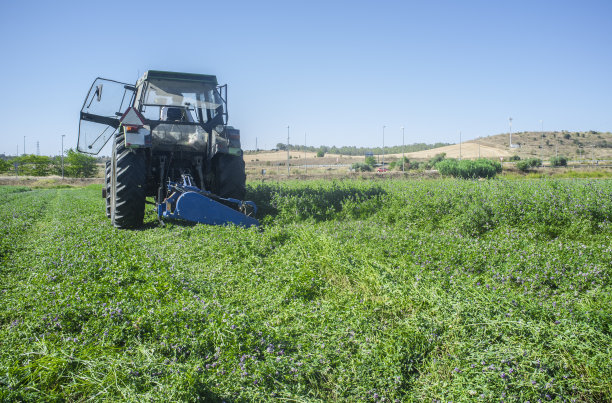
{"x": 24, "y": 145}
{"x": 38, "y": 148}
{"x": 459, "y": 145}
{"x": 542, "y": 139}
{"x": 403, "y": 158}
{"x": 383, "y": 157}
{"x": 305, "y": 165}
{"x": 287, "y": 150}
{"x": 510, "y": 119}
{"x": 256, "y": 148}
{"x": 63, "y": 135}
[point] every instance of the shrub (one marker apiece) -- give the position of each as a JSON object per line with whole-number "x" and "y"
{"x": 448, "y": 167}
{"x": 407, "y": 166}
{"x": 36, "y": 165}
{"x": 370, "y": 160}
{"x": 5, "y": 166}
{"x": 529, "y": 163}
{"x": 320, "y": 154}
{"x": 361, "y": 167}
{"x": 437, "y": 158}
{"x": 559, "y": 161}
{"x": 468, "y": 169}
{"x": 514, "y": 158}
{"x": 523, "y": 166}
{"x": 78, "y": 165}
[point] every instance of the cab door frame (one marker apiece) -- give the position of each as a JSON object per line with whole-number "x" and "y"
{"x": 99, "y": 116}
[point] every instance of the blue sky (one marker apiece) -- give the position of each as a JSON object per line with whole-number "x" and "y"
{"x": 335, "y": 70}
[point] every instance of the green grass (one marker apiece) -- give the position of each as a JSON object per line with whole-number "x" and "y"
{"x": 569, "y": 173}
{"x": 352, "y": 290}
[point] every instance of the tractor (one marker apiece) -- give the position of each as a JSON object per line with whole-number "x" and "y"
{"x": 171, "y": 142}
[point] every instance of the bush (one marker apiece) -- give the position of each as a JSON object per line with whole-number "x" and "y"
{"x": 320, "y": 154}
{"x": 36, "y": 165}
{"x": 370, "y": 160}
{"x": 5, "y": 166}
{"x": 559, "y": 161}
{"x": 514, "y": 158}
{"x": 523, "y": 166}
{"x": 78, "y": 165}
{"x": 361, "y": 167}
{"x": 437, "y": 158}
{"x": 398, "y": 164}
{"x": 529, "y": 163}
{"x": 468, "y": 169}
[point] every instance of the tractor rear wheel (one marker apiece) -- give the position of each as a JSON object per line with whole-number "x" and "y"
{"x": 230, "y": 178}
{"x": 107, "y": 193}
{"x": 128, "y": 178}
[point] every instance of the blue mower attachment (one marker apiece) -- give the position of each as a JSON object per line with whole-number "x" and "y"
{"x": 190, "y": 203}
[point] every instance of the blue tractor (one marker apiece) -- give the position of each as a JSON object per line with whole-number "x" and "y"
{"x": 171, "y": 142}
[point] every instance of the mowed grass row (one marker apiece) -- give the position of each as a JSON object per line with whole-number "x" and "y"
{"x": 436, "y": 290}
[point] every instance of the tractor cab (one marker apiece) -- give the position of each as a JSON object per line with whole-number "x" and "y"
{"x": 178, "y": 111}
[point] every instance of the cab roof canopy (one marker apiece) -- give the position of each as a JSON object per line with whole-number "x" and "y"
{"x": 169, "y": 75}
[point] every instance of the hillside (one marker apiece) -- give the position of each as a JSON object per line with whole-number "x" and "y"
{"x": 575, "y": 145}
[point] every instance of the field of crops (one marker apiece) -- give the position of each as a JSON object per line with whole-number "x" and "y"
{"x": 443, "y": 290}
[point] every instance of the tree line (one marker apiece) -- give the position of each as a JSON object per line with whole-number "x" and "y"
{"x": 76, "y": 165}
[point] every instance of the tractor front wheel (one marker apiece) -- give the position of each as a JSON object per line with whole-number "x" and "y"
{"x": 128, "y": 178}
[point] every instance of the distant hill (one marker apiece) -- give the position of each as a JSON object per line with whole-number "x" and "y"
{"x": 575, "y": 145}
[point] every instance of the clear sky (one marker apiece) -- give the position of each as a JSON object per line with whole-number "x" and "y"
{"x": 335, "y": 70}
